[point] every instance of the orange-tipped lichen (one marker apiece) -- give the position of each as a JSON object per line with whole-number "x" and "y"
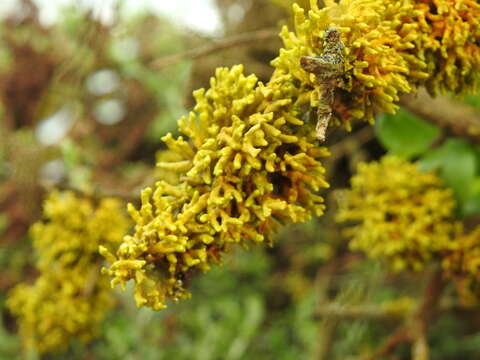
{"x": 391, "y": 47}
{"x": 450, "y": 44}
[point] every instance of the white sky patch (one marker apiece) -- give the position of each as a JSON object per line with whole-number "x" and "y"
{"x": 55, "y": 127}
{"x": 200, "y": 15}
{"x": 7, "y": 6}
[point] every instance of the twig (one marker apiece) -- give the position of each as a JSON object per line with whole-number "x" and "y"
{"x": 325, "y": 339}
{"x": 416, "y": 329}
{"x": 431, "y": 297}
{"x": 454, "y": 116}
{"x": 372, "y": 312}
{"x": 98, "y": 193}
{"x": 323, "y": 281}
{"x": 364, "y": 312}
{"x": 350, "y": 143}
{"x": 400, "y": 336}
{"x": 425, "y": 313}
{"x": 222, "y": 44}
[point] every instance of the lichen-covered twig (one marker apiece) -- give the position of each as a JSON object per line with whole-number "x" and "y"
{"x": 328, "y": 69}
{"x": 250, "y": 162}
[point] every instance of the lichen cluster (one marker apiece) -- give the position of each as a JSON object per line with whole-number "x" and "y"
{"x": 462, "y": 265}
{"x": 70, "y": 296}
{"x": 250, "y": 161}
{"x": 392, "y": 47}
{"x": 399, "y": 214}
{"x": 250, "y": 165}
{"x": 450, "y": 44}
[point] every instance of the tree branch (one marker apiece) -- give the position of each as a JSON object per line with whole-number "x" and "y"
{"x": 415, "y": 330}
{"x": 222, "y": 44}
{"x": 454, "y": 116}
{"x": 363, "y": 312}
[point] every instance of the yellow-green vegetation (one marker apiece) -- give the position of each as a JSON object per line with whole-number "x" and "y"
{"x": 251, "y": 161}
{"x": 463, "y": 265}
{"x": 70, "y": 296}
{"x": 399, "y": 214}
{"x": 251, "y": 165}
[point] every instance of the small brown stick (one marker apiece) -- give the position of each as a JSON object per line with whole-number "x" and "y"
{"x": 328, "y": 69}
{"x": 415, "y": 330}
{"x": 428, "y": 308}
{"x": 98, "y": 193}
{"x": 363, "y": 312}
{"x": 454, "y": 116}
{"x": 400, "y": 336}
{"x": 351, "y": 143}
{"x": 237, "y": 40}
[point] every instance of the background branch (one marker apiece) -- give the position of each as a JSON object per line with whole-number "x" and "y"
{"x": 222, "y": 44}
{"x": 454, "y": 116}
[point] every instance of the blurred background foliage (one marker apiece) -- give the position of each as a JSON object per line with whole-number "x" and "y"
{"x": 83, "y": 104}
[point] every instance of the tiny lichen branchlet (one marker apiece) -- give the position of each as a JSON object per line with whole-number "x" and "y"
{"x": 399, "y": 214}
{"x": 70, "y": 297}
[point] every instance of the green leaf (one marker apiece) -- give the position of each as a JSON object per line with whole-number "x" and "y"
{"x": 456, "y": 162}
{"x": 473, "y": 100}
{"x": 472, "y": 204}
{"x": 404, "y": 134}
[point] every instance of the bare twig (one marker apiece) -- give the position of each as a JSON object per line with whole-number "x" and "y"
{"x": 400, "y": 336}
{"x": 351, "y": 143}
{"x": 425, "y": 313}
{"x": 326, "y": 331}
{"x": 431, "y": 297}
{"x": 364, "y": 312}
{"x": 222, "y": 44}
{"x": 323, "y": 281}
{"x": 454, "y": 116}
{"x": 415, "y": 330}
{"x": 99, "y": 193}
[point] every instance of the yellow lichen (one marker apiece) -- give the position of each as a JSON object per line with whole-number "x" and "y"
{"x": 70, "y": 296}
{"x": 450, "y": 44}
{"x": 463, "y": 266}
{"x": 399, "y": 214}
{"x": 392, "y": 47}
{"x": 251, "y": 164}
